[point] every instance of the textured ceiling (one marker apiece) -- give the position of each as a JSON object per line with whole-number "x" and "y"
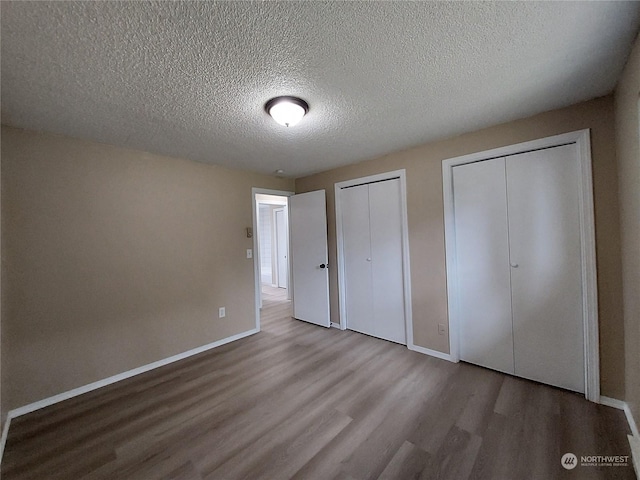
{"x": 190, "y": 79}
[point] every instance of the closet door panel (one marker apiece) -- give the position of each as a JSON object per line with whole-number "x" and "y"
{"x": 385, "y": 213}
{"x": 357, "y": 258}
{"x": 482, "y": 249}
{"x": 544, "y": 230}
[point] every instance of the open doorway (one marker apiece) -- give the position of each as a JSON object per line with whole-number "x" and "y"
{"x": 300, "y": 252}
{"x": 271, "y": 228}
{"x": 273, "y": 245}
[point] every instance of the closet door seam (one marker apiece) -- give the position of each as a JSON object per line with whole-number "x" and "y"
{"x": 371, "y": 266}
{"x": 506, "y": 201}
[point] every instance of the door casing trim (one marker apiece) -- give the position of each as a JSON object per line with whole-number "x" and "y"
{"x": 406, "y": 268}
{"x": 581, "y": 139}
{"x": 256, "y": 253}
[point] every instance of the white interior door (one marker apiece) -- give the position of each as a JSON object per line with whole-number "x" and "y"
{"x": 483, "y": 272}
{"x": 309, "y": 257}
{"x": 282, "y": 247}
{"x": 371, "y": 216}
{"x": 356, "y": 244}
{"x": 385, "y": 218}
{"x": 544, "y": 232}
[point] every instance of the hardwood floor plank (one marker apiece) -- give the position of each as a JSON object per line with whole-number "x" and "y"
{"x": 477, "y": 412}
{"x": 408, "y": 463}
{"x": 297, "y": 401}
{"x": 443, "y": 408}
{"x": 489, "y": 457}
{"x": 456, "y": 456}
{"x": 284, "y": 450}
{"x": 186, "y": 471}
{"x": 377, "y": 450}
{"x": 246, "y": 417}
{"x": 332, "y": 460}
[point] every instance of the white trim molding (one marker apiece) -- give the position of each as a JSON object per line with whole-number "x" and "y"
{"x": 634, "y": 438}
{"x": 587, "y": 238}
{"x": 432, "y": 353}
{"x": 620, "y": 405}
{"x": 406, "y": 269}
{"x": 5, "y": 433}
{"x": 32, "y": 407}
{"x": 336, "y": 325}
{"x": 256, "y": 248}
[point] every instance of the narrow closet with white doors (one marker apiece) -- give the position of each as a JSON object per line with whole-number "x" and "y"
{"x": 372, "y": 259}
{"x": 518, "y": 249}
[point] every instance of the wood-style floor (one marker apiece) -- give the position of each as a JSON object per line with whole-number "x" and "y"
{"x": 303, "y": 402}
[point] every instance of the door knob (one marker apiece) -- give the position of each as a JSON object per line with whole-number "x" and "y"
{"x": 368, "y": 259}
{"x": 322, "y": 265}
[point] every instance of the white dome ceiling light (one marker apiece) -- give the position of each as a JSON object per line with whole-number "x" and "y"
{"x": 287, "y": 111}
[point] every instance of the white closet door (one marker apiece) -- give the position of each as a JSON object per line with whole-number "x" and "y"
{"x": 385, "y": 214}
{"x": 544, "y": 232}
{"x": 357, "y": 258}
{"x": 482, "y": 250}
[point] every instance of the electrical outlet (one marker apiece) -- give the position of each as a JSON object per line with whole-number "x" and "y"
{"x": 442, "y": 330}
{"x": 222, "y": 312}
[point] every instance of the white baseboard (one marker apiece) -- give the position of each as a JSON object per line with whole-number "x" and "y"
{"x": 611, "y": 402}
{"x": 634, "y": 443}
{"x": 121, "y": 376}
{"x": 335, "y": 325}
{"x": 634, "y": 439}
{"x": 620, "y": 405}
{"x": 32, "y": 407}
{"x": 5, "y": 432}
{"x": 632, "y": 423}
{"x": 428, "y": 351}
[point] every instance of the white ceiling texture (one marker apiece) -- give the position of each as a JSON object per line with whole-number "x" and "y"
{"x": 190, "y": 79}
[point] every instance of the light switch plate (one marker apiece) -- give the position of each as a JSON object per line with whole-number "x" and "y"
{"x": 222, "y": 312}
{"x": 249, "y": 253}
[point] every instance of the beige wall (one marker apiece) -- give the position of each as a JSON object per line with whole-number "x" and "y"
{"x": 115, "y": 259}
{"x": 426, "y": 229}
{"x": 2, "y": 410}
{"x": 628, "y": 153}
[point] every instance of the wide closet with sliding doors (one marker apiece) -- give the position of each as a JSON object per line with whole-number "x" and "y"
{"x": 370, "y": 236}
{"x": 519, "y": 265}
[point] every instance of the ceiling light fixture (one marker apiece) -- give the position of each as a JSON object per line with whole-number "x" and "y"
{"x": 287, "y": 110}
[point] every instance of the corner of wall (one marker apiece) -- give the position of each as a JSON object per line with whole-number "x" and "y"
{"x": 634, "y": 442}
{"x": 4, "y": 420}
{"x": 2, "y": 413}
{"x": 627, "y": 126}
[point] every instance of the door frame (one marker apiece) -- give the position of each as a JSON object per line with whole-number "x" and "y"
{"x": 276, "y": 237}
{"x": 581, "y": 139}
{"x": 406, "y": 271}
{"x": 256, "y": 248}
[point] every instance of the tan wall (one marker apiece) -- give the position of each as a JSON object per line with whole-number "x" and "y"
{"x": 628, "y": 153}
{"x": 115, "y": 259}
{"x": 2, "y": 409}
{"x": 426, "y": 229}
